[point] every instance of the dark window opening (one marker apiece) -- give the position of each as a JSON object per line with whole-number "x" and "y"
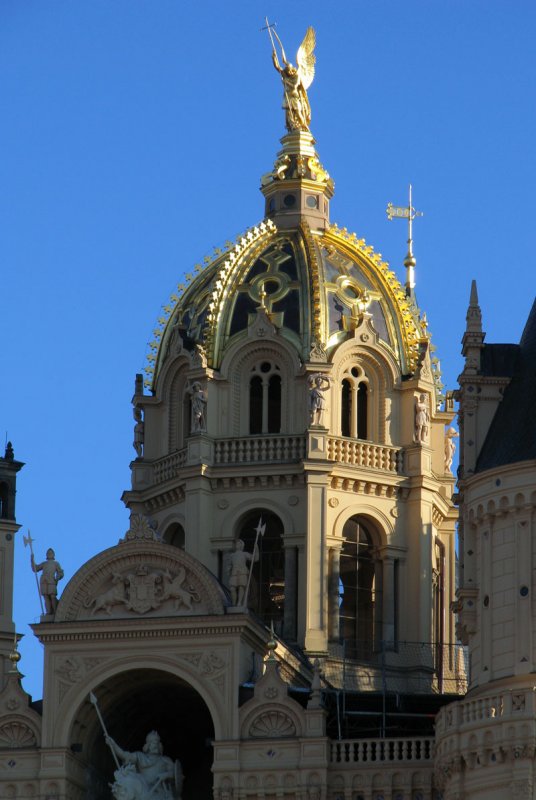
{"x": 360, "y": 593}
{"x": 267, "y": 588}
{"x": 4, "y": 504}
{"x": 274, "y": 404}
{"x": 175, "y": 535}
{"x": 346, "y": 408}
{"x": 255, "y": 405}
{"x": 362, "y": 398}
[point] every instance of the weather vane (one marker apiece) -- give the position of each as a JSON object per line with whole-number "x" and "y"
{"x": 409, "y": 213}
{"x": 296, "y": 80}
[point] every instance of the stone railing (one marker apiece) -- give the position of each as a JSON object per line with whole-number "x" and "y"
{"x": 168, "y": 467}
{"x": 258, "y": 449}
{"x": 508, "y": 705}
{"x": 363, "y": 454}
{"x": 350, "y": 752}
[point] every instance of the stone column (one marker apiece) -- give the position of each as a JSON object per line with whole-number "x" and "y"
{"x": 291, "y": 592}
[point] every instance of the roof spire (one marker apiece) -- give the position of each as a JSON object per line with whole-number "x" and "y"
{"x": 410, "y": 261}
{"x": 474, "y": 314}
{"x": 473, "y": 337}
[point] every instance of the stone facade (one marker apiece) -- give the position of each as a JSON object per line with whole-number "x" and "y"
{"x": 291, "y": 401}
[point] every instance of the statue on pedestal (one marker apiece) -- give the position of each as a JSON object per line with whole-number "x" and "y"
{"x": 422, "y": 419}
{"x": 318, "y": 385}
{"x": 138, "y": 431}
{"x": 450, "y": 447}
{"x": 48, "y": 583}
{"x": 239, "y": 571}
{"x": 146, "y": 775}
{"x": 198, "y": 422}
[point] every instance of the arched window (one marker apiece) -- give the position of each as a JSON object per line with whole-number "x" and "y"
{"x": 266, "y": 595}
{"x": 265, "y": 398}
{"x": 354, "y": 404}
{"x": 360, "y": 591}
{"x": 175, "y": 536}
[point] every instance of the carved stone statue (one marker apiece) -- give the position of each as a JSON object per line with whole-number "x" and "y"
{"x": 422, "y": 419}
{"x": 198, "y": 422}
{"x": 239, "y": 571}
{"x": 48, "y": 583}
{"x": 318, "y": 385}
{"x": 296, "y": 81}
{"x": 148, "y": 775}
{"x": 450, "y": 447}
{"x": 138, "y": 431}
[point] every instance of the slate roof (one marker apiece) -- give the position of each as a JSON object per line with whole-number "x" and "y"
{"x": 512, "y": 433}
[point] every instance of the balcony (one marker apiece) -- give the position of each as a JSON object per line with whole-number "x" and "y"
{"x": 259, "y": 449}
{"x": 364, "y": 454}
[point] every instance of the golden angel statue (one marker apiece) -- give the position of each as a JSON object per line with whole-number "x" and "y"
{"x": 296, "y": 80}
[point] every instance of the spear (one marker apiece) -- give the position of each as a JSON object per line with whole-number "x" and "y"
{"x": 93, "y": 701}
{"x": 260, "y": 532}
{"x": 28, "y": 541}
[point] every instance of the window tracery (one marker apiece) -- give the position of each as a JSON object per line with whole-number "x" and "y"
{"x": 360, "y": 590}
{"x": 354, "y": 403}
{"x": 265, "y": 398}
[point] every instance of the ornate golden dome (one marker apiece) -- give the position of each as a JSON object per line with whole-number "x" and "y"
{"x": 314, "y": 284}
{"x": 315, "y": 280}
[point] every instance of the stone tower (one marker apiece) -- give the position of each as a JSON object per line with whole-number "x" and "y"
{"x": 8, "y": 528}
{"x": 284, "y": 385}
{"x": 487, "y": 742}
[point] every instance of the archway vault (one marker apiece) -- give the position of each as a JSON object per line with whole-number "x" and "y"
{"x": 133, "y": 703}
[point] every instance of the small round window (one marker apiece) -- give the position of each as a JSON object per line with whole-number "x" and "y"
{"x": 312, "y": 201}
{"x": 289, "y": 200}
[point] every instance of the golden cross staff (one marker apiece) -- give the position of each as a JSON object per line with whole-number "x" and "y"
{"x": 410, "y": 214}
{"x": 260, "y": 529}
{"x": 29, "y": 541}
{"x": 269, "y": 27}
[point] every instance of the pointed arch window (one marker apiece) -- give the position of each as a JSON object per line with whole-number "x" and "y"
{"x": 355, "y": 404}
{"x": 265, "y": 388}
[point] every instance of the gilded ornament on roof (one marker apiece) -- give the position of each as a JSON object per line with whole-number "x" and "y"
{"x": 296, "y": 79}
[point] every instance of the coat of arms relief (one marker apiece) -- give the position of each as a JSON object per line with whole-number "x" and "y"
{"x": 144, "y": 589}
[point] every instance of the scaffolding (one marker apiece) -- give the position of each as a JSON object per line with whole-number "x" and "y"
{"x": 397, "y": 686}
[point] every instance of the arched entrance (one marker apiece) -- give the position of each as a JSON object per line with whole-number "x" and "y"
{"x": 132, "y": 704}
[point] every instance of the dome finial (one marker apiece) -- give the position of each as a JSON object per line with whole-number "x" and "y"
{"x": 296, "y": 79}
{"x": 410, "y": 261}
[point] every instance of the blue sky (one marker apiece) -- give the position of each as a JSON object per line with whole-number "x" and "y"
{"x": 134, "y": 135}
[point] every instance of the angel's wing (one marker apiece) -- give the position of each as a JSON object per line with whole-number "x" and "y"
{"x": 306, "y": 59}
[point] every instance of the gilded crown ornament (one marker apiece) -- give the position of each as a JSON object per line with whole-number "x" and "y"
{"x": 296, "y": 79}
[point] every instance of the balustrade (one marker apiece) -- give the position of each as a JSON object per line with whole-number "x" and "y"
{"x": 257, "y": 449}
{"x": 375, "y": 751}
{"x": 168, "y": 467}
{"x": 364, "y": 454}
